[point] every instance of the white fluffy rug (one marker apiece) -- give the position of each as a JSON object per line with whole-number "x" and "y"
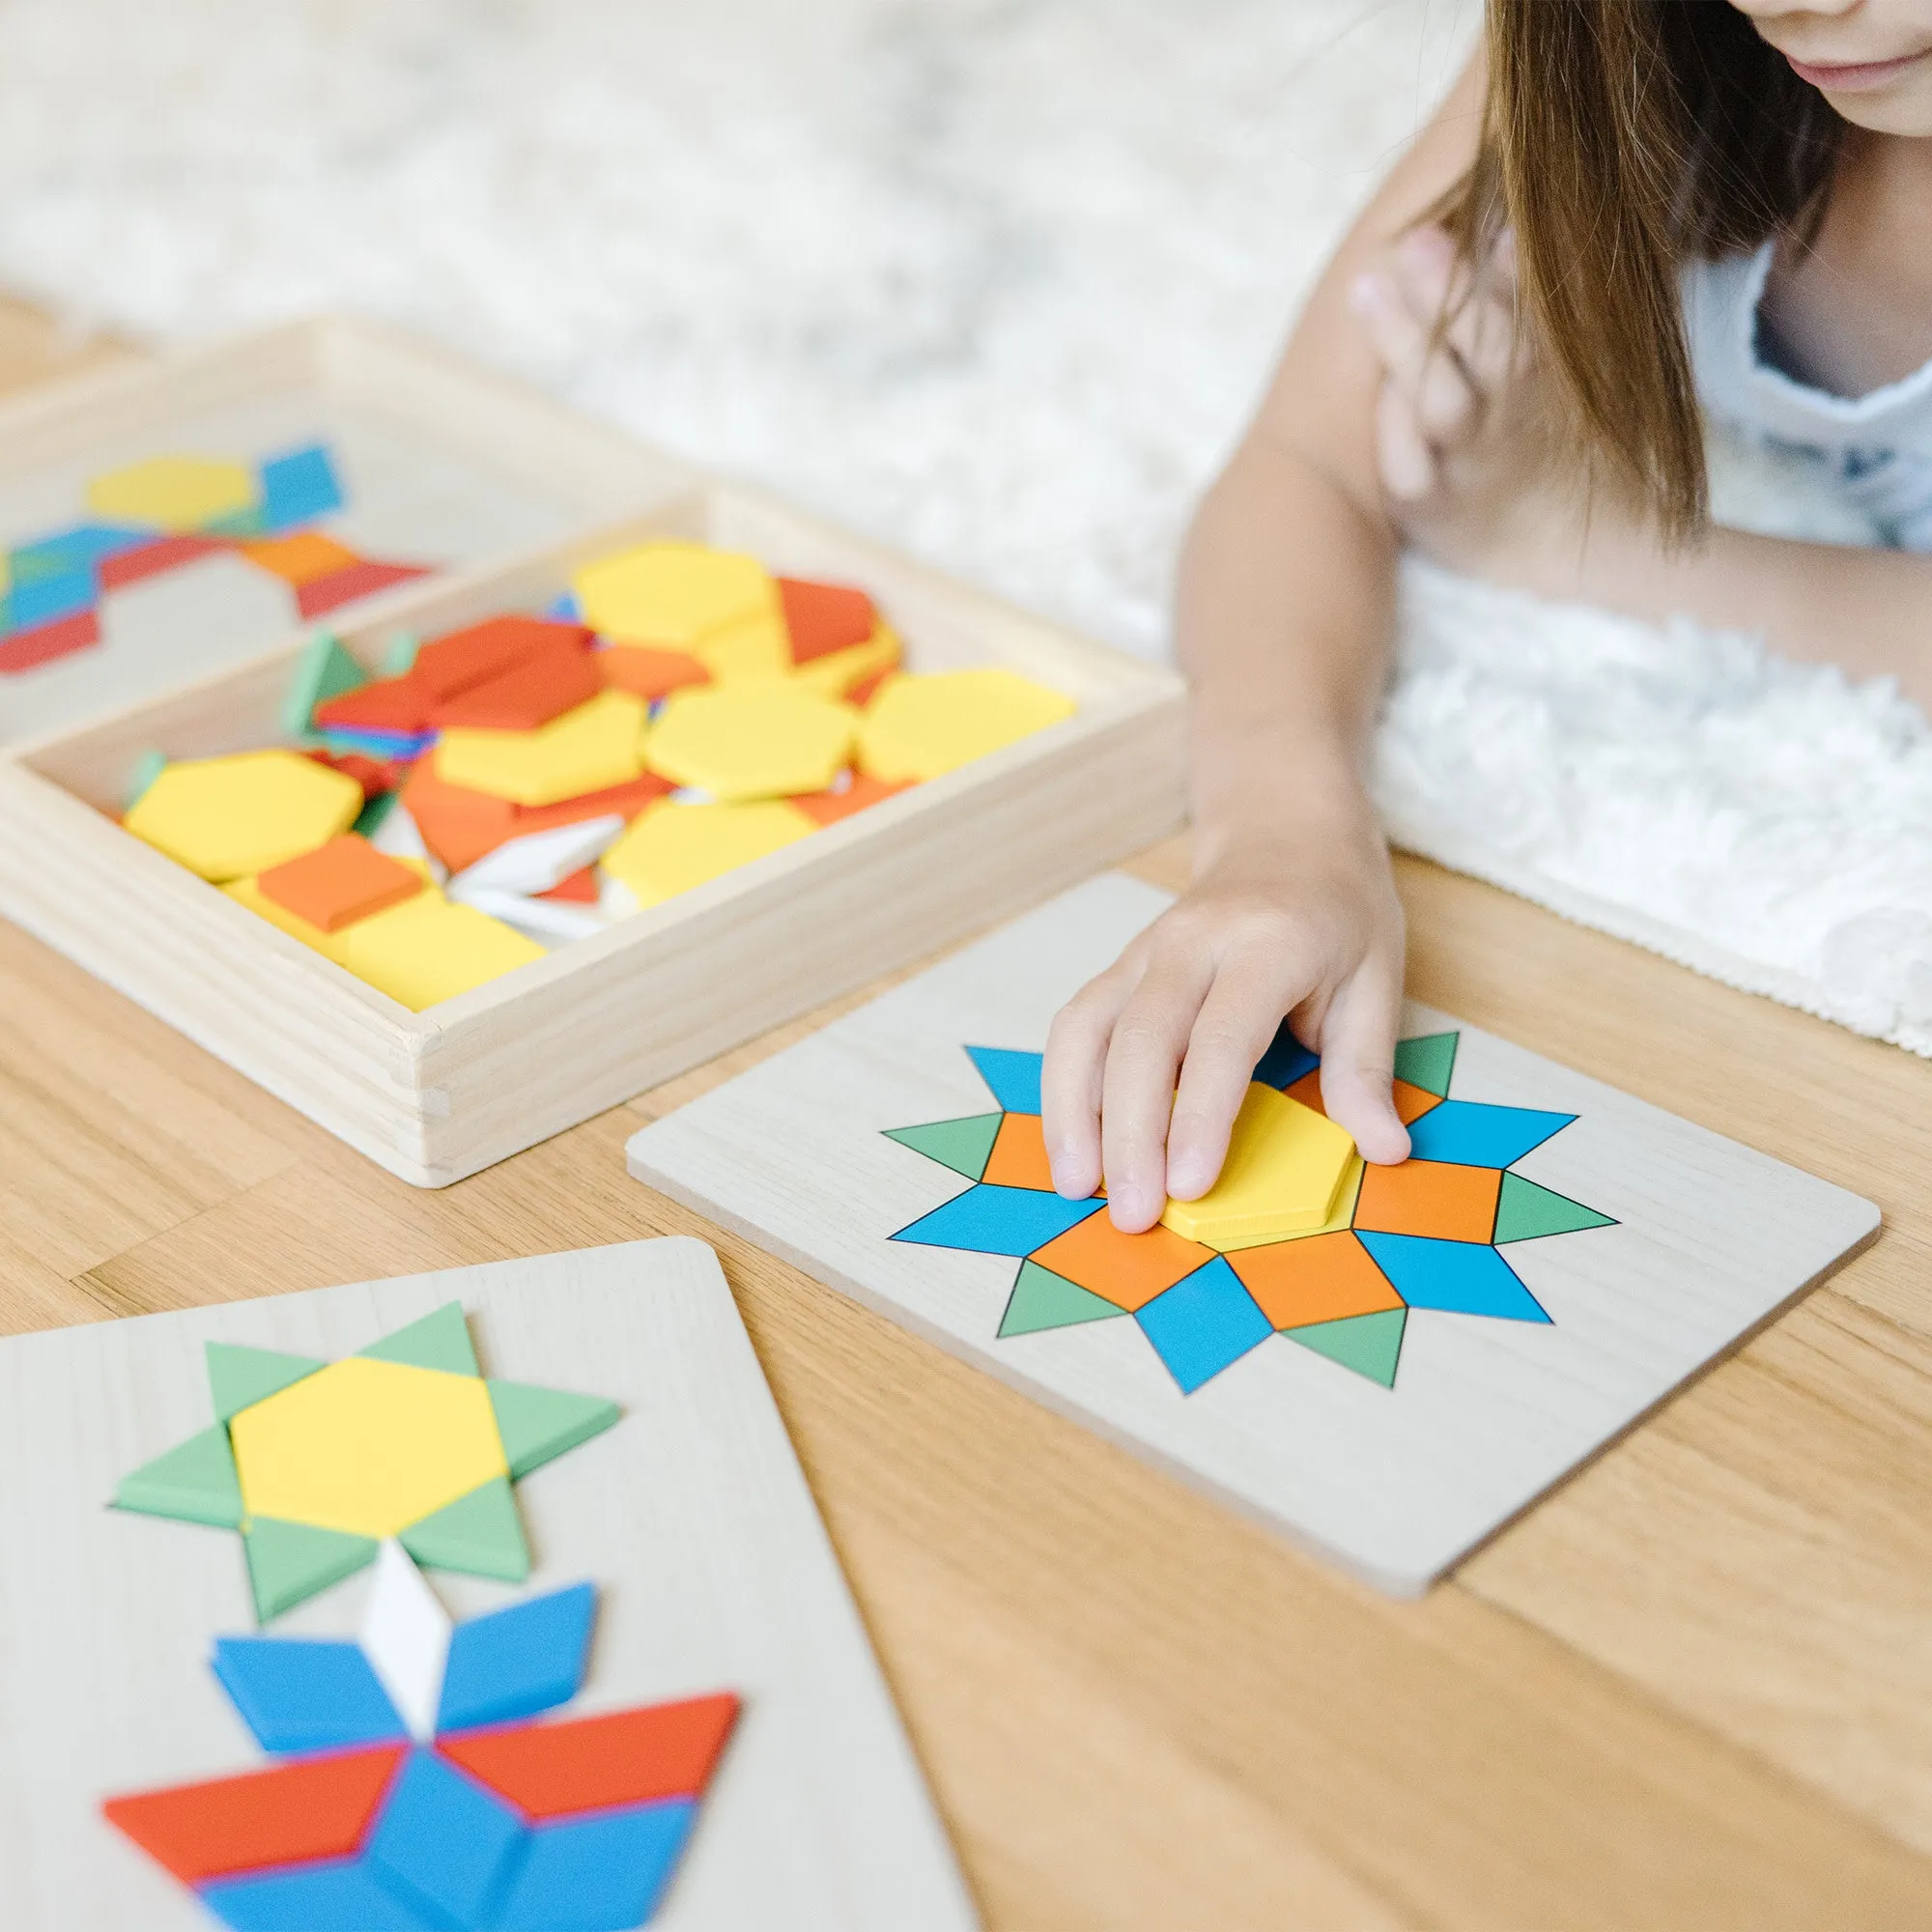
{"x": 995, "y": 280}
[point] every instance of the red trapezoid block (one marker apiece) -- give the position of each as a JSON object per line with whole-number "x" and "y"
{"x": 319, "y": 1807}
{"x": 45, "y": 643}
{"x": 587, "y": 1764}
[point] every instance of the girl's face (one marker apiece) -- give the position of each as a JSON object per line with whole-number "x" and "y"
{"x": 1871, "y": 59}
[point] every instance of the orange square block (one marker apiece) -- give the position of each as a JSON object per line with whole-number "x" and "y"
{"x": 824, "y": 617}
{"x": 1325, "y": 1278}
{"x": 300, "y": 559}
{"x": 1411, "y": 1102}
{"x": 1018, "y": 1158}
{"x": 339, "y": 883}
{"x": 1430, "y": 1197}
{"x": 645, "y": 672}
{"x": 1127, "y": 1270}
{"x": 530, "y": 692}
{"x": 829, "y": 806}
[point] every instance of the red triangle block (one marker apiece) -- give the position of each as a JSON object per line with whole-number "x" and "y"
{"x": 823, "y": 617}
{"x": 459, "y": 660}
{"x": 627, "y": 1757}
{"x": 320, "y": 595}
{"x": 542, "y": 686}
{"x": 318, "y": 1809}
{"x": 579, "y": 889}
{"x": 374, "y": 777}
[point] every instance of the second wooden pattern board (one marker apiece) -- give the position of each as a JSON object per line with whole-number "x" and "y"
{"x": 679, "y": 1503}
{"x": 1391, "y": 1382}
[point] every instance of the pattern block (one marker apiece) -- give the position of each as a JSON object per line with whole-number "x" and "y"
{"x": 405, "y": 1439}
{"x": 562, "y": 1826}
{"x": 1422, "y": 1235}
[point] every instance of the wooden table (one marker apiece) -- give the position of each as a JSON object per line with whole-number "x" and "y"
{"x": 1692, "y": 1690}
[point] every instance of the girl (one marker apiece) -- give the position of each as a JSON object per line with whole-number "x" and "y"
{"x": 1624, "y": 208}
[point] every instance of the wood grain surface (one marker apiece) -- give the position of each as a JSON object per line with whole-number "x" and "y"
{"x": 1693, "y": 1690}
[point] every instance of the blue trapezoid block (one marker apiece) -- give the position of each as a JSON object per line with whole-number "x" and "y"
{"x": 304, "y": 1693}
{"x": 517, "y": 1662}
{"x": 1458, "y": 1277}
{"x": 1205, "y": 1322}
{"x": 1473, "y": 1133}
{"x": 1011, "y": 1078}
{"x": 988, "y": 1220}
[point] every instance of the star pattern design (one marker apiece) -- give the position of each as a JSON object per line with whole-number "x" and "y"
{"x": 1427, "y": 1233}
{"x": 316, "y": 1463}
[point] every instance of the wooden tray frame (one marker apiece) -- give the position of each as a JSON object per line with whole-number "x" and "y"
{"x": 438, "y": 1095}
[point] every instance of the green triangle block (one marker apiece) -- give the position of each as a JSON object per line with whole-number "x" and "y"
{"x": 369, "y": 821}
{"x": 194, "y": 1482}
{"x": 289, "y": 1562}
{"x": 248, "y": 522}
{"x": 1043, "y": 1299}
{"x": 399, "y": 654}
{"x": 438, "y": 1341}
{"x": 1368, "y": 1343}
{"x": 1524, "y": 1210}
{"x": 238, "y": 1377}
{"x": 481, "y": 1533}
{"x": 148, "y": 767}
{"x": 1427, "y": 1062}
{"x": 538, "y": 1424}
{"x": 960, "y": 1145}
{"x": 323, "y": 670}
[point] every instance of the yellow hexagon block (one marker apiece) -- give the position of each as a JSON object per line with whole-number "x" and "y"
{"x": 228, "y": 817}
{"x": 595, "y": 745}
{"x": 366, "y": 1447}
{"x": 672, "y": 593}
{"x": 429, "y": 949}
{"x": 745, "y": 741}
{"x": 1286, "y": 1165}
{"x": 670, "y": 848}
{"x": 247, "y": 893}
{"x": 176, "y": 493}
{"x": 921, "y": 726}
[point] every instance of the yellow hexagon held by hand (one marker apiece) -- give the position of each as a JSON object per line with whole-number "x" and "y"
{"x": 366, "y": 1447}
{"x": 672, "y": 594}
{"x": 1286, "y": 1165}
{"x": 922, "y": 727}
{"x": 174, "y": 492}
{"x": 228, "y": 817}
{"x": 746, "y": 741}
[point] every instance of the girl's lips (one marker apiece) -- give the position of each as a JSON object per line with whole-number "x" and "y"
{"x": 1853, "y": 79}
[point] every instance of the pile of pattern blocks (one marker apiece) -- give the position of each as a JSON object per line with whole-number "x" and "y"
{"x": 417, "y": 1791}
{"x": 166, "y": 512}
{"x": 526, "y": 779}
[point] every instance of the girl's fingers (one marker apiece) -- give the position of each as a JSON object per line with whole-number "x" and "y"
{"x": 1137, "y": 1089}
{"x": 1402, "y": 454}
{"x": 1419, "y": 364}
{"x": 1358, "y": 1057}
{"x": 1232, "y": 1031}
{"x": 1071, "y": 1076}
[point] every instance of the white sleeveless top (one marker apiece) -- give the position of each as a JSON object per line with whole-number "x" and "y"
{"x": 1873, "y": 453}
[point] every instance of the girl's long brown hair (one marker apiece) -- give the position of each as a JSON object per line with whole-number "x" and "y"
{"x": 1620, "y": 140}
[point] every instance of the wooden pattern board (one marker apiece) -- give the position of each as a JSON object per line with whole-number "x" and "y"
{"x": 1398, "y": 1483}
{"x": 439, "y": 467}
{"x": 690, "y": 1514}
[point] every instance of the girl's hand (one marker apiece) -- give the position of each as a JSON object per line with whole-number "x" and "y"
{"x": 1302, "y": 921}
{"x": 1463, "y": 433}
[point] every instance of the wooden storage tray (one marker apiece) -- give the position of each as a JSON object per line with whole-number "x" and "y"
{"x": 437, "y": 1095}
